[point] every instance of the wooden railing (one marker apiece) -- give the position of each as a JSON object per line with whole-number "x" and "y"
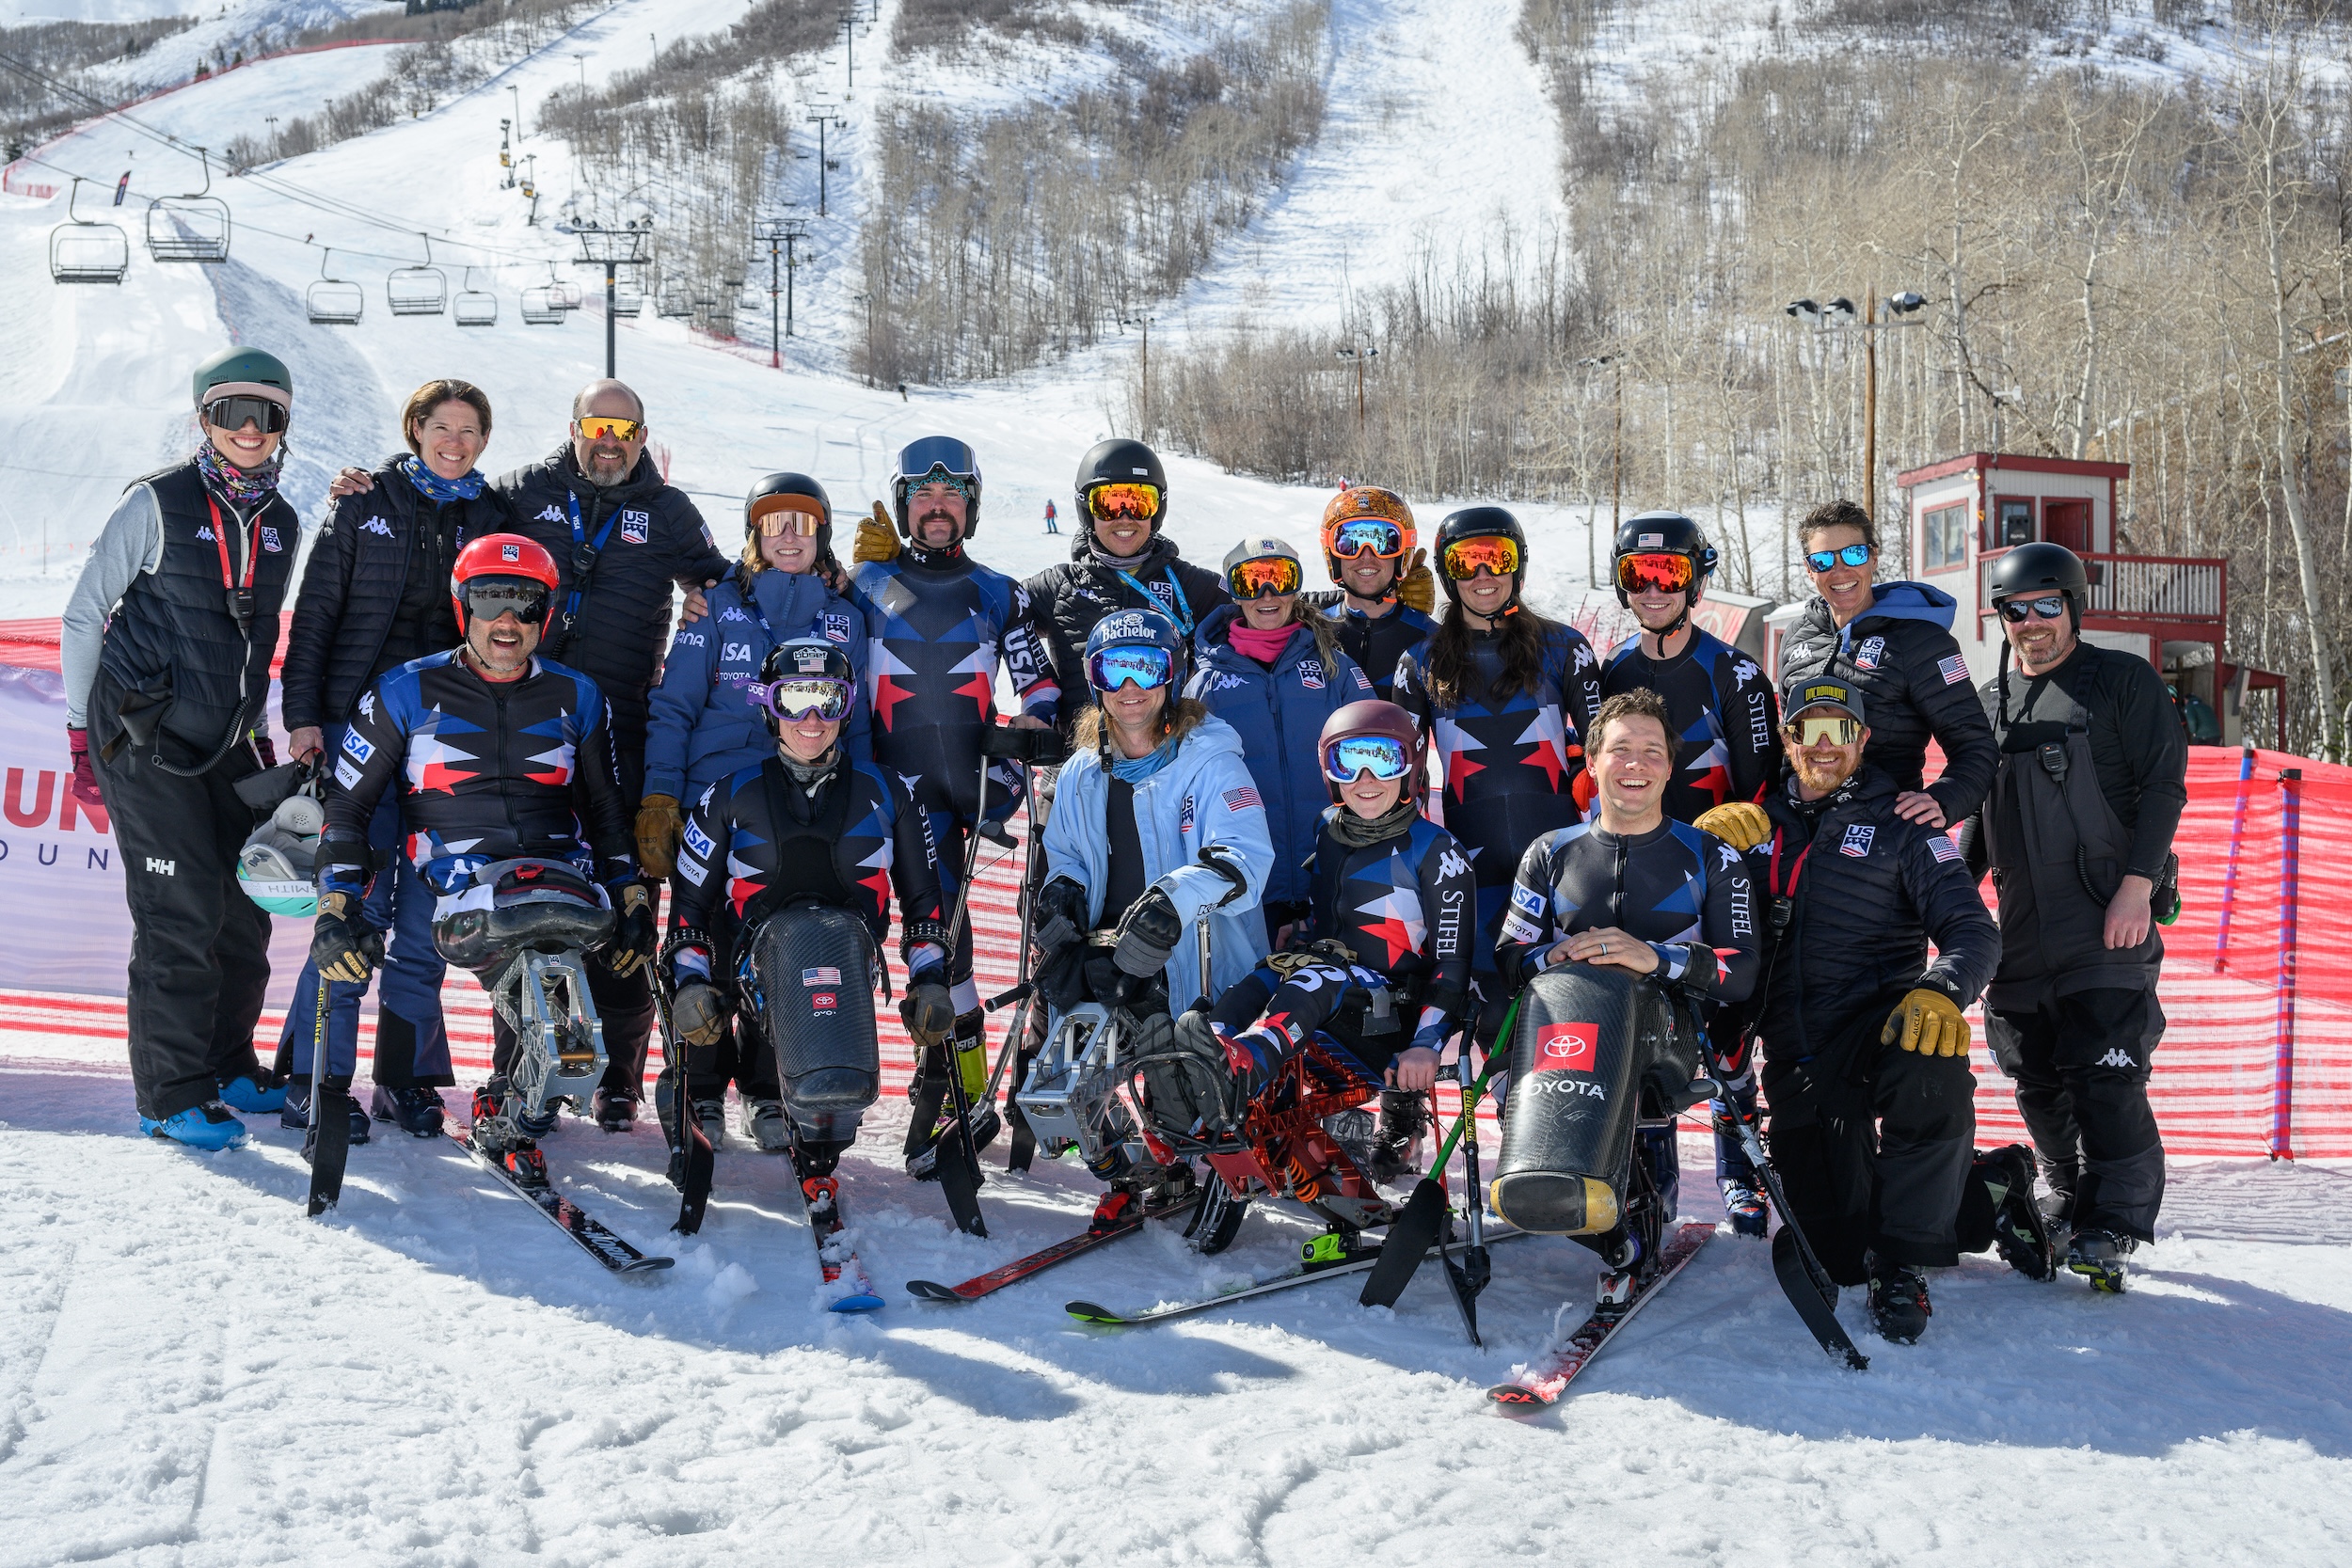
{"x": 2176, "y": 589}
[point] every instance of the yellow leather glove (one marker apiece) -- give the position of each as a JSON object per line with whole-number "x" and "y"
{"x": 1740, "y": 824}
{"x": 1929, "y": 1022}
{"x": 698, "y": 1012}
{"x": 1417, "y": 589}
{"x": 633, "y": 934}
{"x": 877, "y": 538}
{"x": 659, "y": 829}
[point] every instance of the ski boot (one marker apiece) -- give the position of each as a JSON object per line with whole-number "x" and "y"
{"x": 1403, "y": 1117}
{"x": 1622, "y": 1281}
{"x": 295, "y": 1113}
{"x": 210, "y": 1127}
{"x": 2099, "y": 1256}
{"x": 1751, "y": 1215}
{"x": 1898, "y": 1301}
{"x": 254, "y": 1092}
{"x": 615, "y": 1108}
{"x": 712, "y": 1115}
{"x": 418, "y": 1110}
{"x": 2021, "y": 1232}
{"x": 504, "y": 1137}
{"x": 763, "y": 1124}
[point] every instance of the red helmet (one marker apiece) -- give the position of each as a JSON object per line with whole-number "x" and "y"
{"x": 501, "y": 555}
{"x": 1374, "y": 717}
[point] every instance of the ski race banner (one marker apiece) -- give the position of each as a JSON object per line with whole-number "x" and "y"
{"x": 2257, "y": 986}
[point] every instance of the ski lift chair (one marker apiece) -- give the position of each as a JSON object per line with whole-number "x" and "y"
{"x": 191, "y": 228}
{"x": 83, "y": 250}
{"x": 674, "y": 301}
{"x": 332, "y": 302}
{"x": 475, "y": 307}
{"x": 540, "y": 309}
{"x": 627, "y": 299}
{"x": 418, "y": 291}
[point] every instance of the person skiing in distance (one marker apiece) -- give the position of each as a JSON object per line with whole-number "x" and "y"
{"x": 1271, "y": 668}
{"x": 375, "y": 595}
{"x": 624, "y": 540}
{"x": 1894, "y": 641}
{"x": 939, "y": 623}
{"x": 1384, "y": 591}
{"x": 1865, "y": 1050}
{"x": 1507, "y": 698}
{"x": 705, "y": 725}
{"x": 165, "y": 650}
{"x": 805, "y": 824}
{"x": 2078, "y": 834}
{"x": 497, "y": 754}
{"x": 1723, "y": 717}
{"x": 1380, "y": 965}
{"x": 1643, "y": 892}
{"x": 1050, "y": 523}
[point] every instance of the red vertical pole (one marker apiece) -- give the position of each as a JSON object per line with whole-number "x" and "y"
{"x": 2290, "y": 875}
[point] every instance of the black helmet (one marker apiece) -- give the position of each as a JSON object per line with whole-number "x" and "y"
{"x": 928, "y": 460}
{"x": 1664, "y": 533}
{"x": 801, "y": 659}
{"x": 777, "y": 491}
{"x": 2039, "y": 568}
{"x": 1476, "y": 522}
{"x": 1121, "y": 460}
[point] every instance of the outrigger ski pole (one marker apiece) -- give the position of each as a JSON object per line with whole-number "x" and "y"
{"x": 691, "y": 1163}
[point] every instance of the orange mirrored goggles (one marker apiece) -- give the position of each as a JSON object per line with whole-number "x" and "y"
{"x": 1139, "y": 502}
{"x": 1267, "y": 573}
{"x": 779, "y": 516}
{"x": 1654, "y": 572}
{"x": 1489, "y": 552}
{"x": 596, "y": 427}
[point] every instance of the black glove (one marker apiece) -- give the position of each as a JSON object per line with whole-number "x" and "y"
{"x": 632, "y": 940}
{"x": 1057, "y": 918}
{"x": 928, "y": 1012}
{"x": 1148, "y": 934}
{"x": 344, "y": 946}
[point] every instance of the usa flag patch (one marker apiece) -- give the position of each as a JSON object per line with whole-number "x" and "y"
{"x": 1955, "y": 670}
{"x": 1242, "y": 800}
{"x": 1943, "y": 848}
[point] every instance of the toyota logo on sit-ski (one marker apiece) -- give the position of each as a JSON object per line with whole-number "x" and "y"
{"x": 1566, "y": 1047}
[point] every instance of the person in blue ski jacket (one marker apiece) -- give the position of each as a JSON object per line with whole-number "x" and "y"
{"x": 1507, "y": 698}
{"x": 1272, "y": 668}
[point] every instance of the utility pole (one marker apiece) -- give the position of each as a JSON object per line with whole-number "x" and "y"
{"x": 517, "y": 93}
{"x": 1360, "y": 356}
{"x": 822, "y": 119}
{"x": 612, "y": 248}
{"x": 849, "y": 42}
{"x": 1826, "y": 317}
{"x": 1145, "y": 323}
{"x": 507, "y": 151}
{"x": 774, "y": 232}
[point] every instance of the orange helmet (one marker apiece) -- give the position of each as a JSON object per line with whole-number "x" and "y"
{"x": 1362, "y": 501}
{"x": 501, "y": 555}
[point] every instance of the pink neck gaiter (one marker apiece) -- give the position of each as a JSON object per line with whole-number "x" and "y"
{"x": 1264, "y": 646}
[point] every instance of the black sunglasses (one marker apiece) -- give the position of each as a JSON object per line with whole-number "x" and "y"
{"x": 235, "y": 413}
{"x": 489, "y": 600}
{"x": 2049, "y": 607}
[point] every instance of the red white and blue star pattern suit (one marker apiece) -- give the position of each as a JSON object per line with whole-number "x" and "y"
{"x": 1725, "y": 717}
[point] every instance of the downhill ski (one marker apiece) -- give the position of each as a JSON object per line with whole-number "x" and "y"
{"x": 595, "y": 1238}
{"x": 1544, "y": 1380}
{"x": 1125, "y": 1223}
{"x": 835, "y": 1258}
{"x": 1327, "y": 1257}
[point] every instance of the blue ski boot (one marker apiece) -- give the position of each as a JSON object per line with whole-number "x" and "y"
{"x": 211, "y": 1126}
{"x": 255, "y": 1092}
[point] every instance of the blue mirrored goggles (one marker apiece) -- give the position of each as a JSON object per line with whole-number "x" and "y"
{"x": 1375, "y": 536}
{"x": 1852, "y": 555}
{"x": 1384, "y": 756}
{"x": 1136, "y": 663}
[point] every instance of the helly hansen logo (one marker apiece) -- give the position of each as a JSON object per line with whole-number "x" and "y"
{"x": 1857, "y": 842}
{"x": 1566, "y": 1047}
{"x": 634, "y": 527}
{"x": 2117, "y": 1056}
{"x": 376, "y": 524}
{"x": 162, "y": 868}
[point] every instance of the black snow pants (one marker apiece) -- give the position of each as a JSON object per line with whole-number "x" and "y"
{"x": 625, "y": 1002}
{"x": 200, "y": 947}
{"x": 2080, "y": 1063}
{"x": 1873, "y": 1144}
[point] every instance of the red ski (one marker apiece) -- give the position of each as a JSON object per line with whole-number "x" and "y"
{"x": 1547, "y": 1379}
{"x": 1127, "y": 1223}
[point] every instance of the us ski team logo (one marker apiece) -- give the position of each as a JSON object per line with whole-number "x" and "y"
{"x": 1566, "y": 1047}
{"x": 837, "y": 626}
{"x": 1867, "y": 656}
{"x": 1310, "y": 674}
{"x": 1858, "y": 838}
{"x": 634, "y": 527}
{"x": 269, "y": 539}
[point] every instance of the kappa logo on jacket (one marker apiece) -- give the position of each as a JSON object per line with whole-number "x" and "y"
{"x": 731, "y": 613}
{"x": 1746, "y": 672}
{"x": 2117, "y": 1056}
{"x": 376, "y": 524}
{"x": 205, "y": 532}
{"x": 635, "y": 525}
{"x": 1452, "y": 864}
{"x": 1858, "y": 838}
{"x": 549, "y": 514}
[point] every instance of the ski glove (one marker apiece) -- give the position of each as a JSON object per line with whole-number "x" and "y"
{"x": 659, "y": 829}
{"x": 1058, "y": 918}
{"x": 1148, "y": 934}
{"x": 877, "y": 538}
{"x": 1929, "y": 1022}
{"x": 344, "y": 946}
{"x": 698, "y": 1013}
{"x": 928, "y": 1012}
{"x": 632, "y": 940}
{"x": 1417, "y": 589}
{"x": 1739, "y": 823}
{"x": 85, "y": 783}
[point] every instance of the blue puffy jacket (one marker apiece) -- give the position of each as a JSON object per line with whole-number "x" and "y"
{"x": 703, "y": 726}
{"x": 1278, "y": 714}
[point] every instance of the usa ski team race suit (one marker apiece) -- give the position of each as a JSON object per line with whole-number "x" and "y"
{"x": 1900, "y": 655}
{"x": 1071, "y": 597}
{"x": 1512, "y": 766}
{"x": 1872, "y": 1142}
{"x": 1278, "y": 708}
{"x": 938, "y": 624}
{"x": 758, "y": 840}
{"x": 620, "y": 551}
{"x": 173, "y": 686}
{"x": 375, "y": 595}
{"x": 2074, "y": 1022}
{"x": 1403, "y": 904}
{"x": 1684, "y": 892}
{"x": 1377, "y": 644}
{"x": 485, "y": 770}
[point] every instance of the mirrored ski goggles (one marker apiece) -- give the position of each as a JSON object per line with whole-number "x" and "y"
{"x": 795, "y": 697}
{"x": 782, "y": 517}
{"x": 1139, "y": 502}
{"x": 1375, "y": 536}
{"x": 235, "y": 413}
{"x": 1383, "y": 756}
{"x": 1654, "y": 572}
{"x": 1138, "y": 664}
{"x": 487, "y": 598}
{"x": 1835, "y": 729}
{"x": 1852, "y": 555}
{"x": 597, "y": 427}
{"x": 2048, "y": 606}
{"x": 1489, "y": 552}
{"x": 1268, "y": 574}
